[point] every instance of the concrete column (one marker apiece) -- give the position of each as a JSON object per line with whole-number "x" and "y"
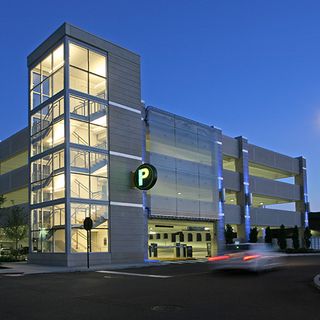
{"x": 219, "y": 226}
{"x": 243, "y": 197}
{"x": 302, "y": 205}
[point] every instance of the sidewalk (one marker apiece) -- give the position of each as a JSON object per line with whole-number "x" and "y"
{"x": 28, "y": 268}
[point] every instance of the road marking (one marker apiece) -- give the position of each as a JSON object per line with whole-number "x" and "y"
{"x": 135, "y": 274}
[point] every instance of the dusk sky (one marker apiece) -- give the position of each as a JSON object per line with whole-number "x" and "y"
{"x": 251, "y": 68}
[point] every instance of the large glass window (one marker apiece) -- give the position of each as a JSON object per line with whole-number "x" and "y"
{"x": 47, "y": 77}
{"x": 99, "y": 233}
{"x": 47, "y": 178}
{"x": 91, "y": 130}
{"x": 89, "y": 175}
{"x": 47, "y": 229}
{"x": 88, "y": 71}
{"x": 47, "y": 127}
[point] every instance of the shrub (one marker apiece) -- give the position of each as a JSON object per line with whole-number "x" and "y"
{"x": 295, "y": 238}
{"x": 253, "y": 236}
{"x": 306, "y": 237}
{"x": 268, "y": 236}
{"x": 282, "y": 240}
{"x": 229, "y": 234}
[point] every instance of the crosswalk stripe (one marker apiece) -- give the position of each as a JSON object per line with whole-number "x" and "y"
{"x": 135, "y": 274}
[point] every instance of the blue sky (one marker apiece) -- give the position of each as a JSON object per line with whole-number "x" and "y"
{"x": 251, "y": 68}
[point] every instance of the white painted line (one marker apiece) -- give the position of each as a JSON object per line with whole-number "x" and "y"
{"x": 125, "y": 155}
{"x": 115, "y": 104}
{"x": 126, "y": 204}
{"x": 136, "y": 274}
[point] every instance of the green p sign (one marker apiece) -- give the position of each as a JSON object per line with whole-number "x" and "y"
{"x": 145, "y": 176}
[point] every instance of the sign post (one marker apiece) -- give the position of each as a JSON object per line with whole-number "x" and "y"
{"x": 88, "y": 224}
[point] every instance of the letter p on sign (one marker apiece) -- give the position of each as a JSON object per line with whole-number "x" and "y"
{"x": 142, "y": 174}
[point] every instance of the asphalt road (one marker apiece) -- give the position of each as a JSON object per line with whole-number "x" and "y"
{"x": 190, "y": 291}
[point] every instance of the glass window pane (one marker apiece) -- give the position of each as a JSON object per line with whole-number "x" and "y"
{"x": 99, "y": 188}
{"x": 80, "y": 186}
{"x": 46, "y": 112}
{"x": 99, "y": 216}
{"x": 98, "y": 164}
{"x": 36, "y": 170}
{"x": 58, "y": 133}
{"x": 78, "y": 240}
{"x": 58, "y": 108}
{"x": 58, "y": 160}
{"x": 46, "y": 67}
{"x": 46, "y": 89}
{"x": 78, "y": 56}
{"x": 59, "y": 240}
{"x": 97, "y": 64}
{"x": 35, "y": 76}
{"x": 79, "y": 160}
{"x": 47, "y": 189}
{"x": 98, "y": 137}
{"x": 78, "y": 80}
{"x": 36, "y": 144}
{"x": 58, "y": 186}
{"x": 46, "y": 138}
{"x": 98, "y": 86}
{"x": 46, "y": 166}
{"x": 59, "y": 215}
{"x": 79, "y": 132}
{"x": 79, "y": 212}
{"x": 99, "y": 240}
{"x": 78, "y": 106}
{"x": 35, "y": 98}
{"x": 35, "y": 123}
{"x": 36, "y": 195}
{"x": 98, "y": 113}
{"x": 57, "y": 82}
{"x": 58, "y": 59}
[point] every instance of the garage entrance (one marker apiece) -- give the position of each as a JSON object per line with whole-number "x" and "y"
{"x": 180, "y": 240}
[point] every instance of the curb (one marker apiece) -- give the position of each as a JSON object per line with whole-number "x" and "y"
{"x": 316, "y": 281}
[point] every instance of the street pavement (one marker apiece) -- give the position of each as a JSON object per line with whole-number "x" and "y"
{"x": 174, "y": 291}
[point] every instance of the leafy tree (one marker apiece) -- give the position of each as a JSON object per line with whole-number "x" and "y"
{"x": 16, "y": 228}
{"x": 295, "y": 238}
{"x": 268, "y": 235}
{"x": 253, "y": 236}
{"x": 306, "y": 237}
{"x": 229, "y": 234}
{"x": 2, "y": 200}
{"x": 282, "y": 240}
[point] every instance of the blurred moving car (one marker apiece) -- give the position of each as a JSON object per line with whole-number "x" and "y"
{"x": 247, "y": 256}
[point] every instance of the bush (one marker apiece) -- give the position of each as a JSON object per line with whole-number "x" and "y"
{"x": 306, "y": 237}
{"x": 295, "y": 238}
{"x": 229, "y": 235}
{"x": 268, "y": 236}
{"x": 282, "y": 240}
{"x": 253, "y": 236}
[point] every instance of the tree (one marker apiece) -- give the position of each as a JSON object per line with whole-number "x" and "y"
{"x": 253, "y": 236}
{"x": 268, "y": 235}
{"x": 306, "y": 237}
{"x": 2, "y": 200}
{"x": 229, "y": 234}
{"x": 16, "y": 228}
{"x": 295, "y": 238}
{"x": 282, "y": 239}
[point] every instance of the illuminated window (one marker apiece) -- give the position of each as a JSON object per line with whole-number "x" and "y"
{"x": 88, "y": 71}
{"x": 47, "y": 77}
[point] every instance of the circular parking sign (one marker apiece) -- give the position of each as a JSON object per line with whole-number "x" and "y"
{"x": 145, "y": 176}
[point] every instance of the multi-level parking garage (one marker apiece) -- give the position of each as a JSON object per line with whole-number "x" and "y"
{"x": 88, "y": 131}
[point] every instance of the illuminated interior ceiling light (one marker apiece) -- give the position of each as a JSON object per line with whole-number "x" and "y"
{"x": 261, "y": 203}
{"x": 100, "y": 121}
{"x": 179, "y": 193}
{"x": 59, "y": 182}
{"x": 232, "y": 200}
{"x": 58, "y": 132}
